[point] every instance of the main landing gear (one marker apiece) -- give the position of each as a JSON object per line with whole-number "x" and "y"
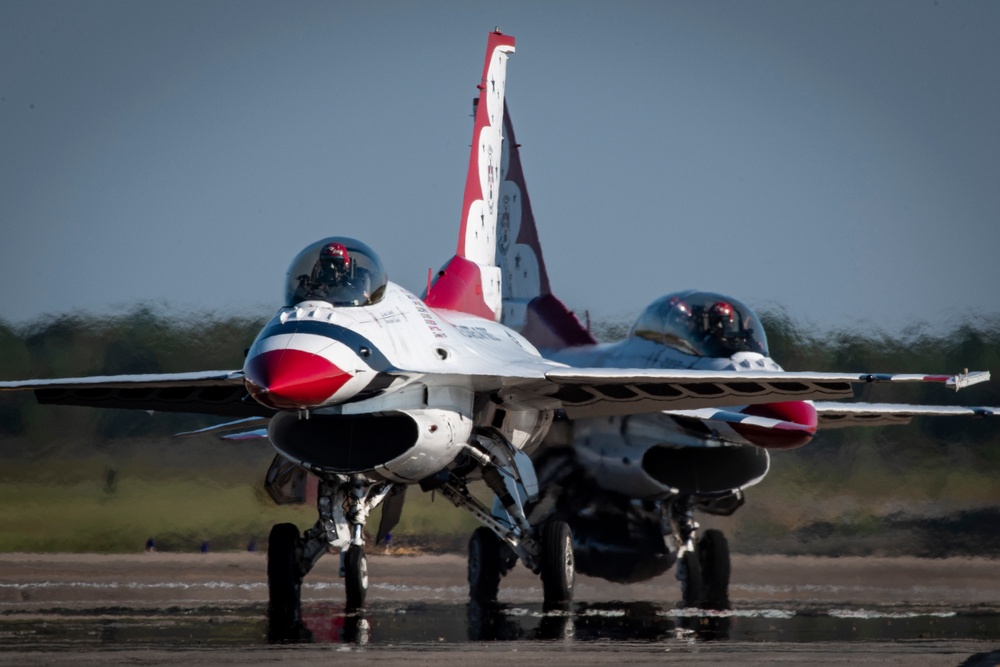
{"x": 507, "y": 535}
{"x": 345, "y": 502}
{"x": 490, "y": 558}
{"x": 703, "y": 567}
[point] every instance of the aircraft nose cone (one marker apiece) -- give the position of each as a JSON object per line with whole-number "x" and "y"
{"x": 292, "y": 379}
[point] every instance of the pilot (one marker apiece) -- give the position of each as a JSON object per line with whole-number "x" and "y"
{"x": 331, "y": 274}
{"x": 334, "y": 266}
{"x": 721, "y": 320}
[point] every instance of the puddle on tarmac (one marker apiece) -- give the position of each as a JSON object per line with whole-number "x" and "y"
{"x": 414, "y": 624}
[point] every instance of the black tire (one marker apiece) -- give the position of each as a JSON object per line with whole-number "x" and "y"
{"x": 689, "y": 574}
{"x": 713, "y": 556}
{"x": 558, "y": 571}
{"x": 356, "y": 577}
{"x": 284, "y": 580}
{"x": 484, "y": 565}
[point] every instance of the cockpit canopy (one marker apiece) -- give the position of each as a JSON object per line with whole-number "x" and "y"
{"x": 338, "y": 270}
{"x": 703, "y": 324}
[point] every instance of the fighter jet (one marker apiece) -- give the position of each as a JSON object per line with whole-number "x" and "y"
{"x": 373, "y": 389}
{"x": 629, "y": 486}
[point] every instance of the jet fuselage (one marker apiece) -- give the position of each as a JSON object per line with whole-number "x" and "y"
{"x": 334, "y": 373}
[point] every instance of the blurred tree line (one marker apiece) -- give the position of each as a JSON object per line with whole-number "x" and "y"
{"x": 140, "y": 341}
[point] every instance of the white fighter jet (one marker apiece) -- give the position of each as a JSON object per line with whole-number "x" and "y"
{"x": 373, "y": 389}
{"x": 628, "y": 485}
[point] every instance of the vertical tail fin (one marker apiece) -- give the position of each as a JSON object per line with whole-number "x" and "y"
{"x": 470, "y": 281}
{"x": 529, "y": 306}
{"x": 528, "y": 303}
{"x": 498, "y": 271}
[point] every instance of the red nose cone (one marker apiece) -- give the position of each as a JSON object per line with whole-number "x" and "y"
{"x": 292, "y": 379}
{"x": 799, "y": 431}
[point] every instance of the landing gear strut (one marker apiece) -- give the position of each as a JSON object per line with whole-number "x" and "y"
{"x": 507, "y": 535}
{"x": 344, "y": 503}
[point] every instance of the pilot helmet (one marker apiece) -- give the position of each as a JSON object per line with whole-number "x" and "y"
{"x": 336, "y": 254}
{"x": 722, "y": 317}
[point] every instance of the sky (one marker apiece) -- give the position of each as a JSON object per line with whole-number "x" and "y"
{"x": 839, "y": 161}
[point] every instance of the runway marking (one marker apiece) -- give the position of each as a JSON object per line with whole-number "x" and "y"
{"x": 249, "y": 586}
{"x": 521, "y": 611}
{"x": 870, "y": 614}
{"x": 727, "y": 613}
{"x": 133, "y": 585}
{"x": 832, "y": 588}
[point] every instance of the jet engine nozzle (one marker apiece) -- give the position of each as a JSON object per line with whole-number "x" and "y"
{"x": 292, "y": 379}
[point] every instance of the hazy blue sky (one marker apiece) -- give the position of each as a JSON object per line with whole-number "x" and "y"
{"x": 838, "y": 159}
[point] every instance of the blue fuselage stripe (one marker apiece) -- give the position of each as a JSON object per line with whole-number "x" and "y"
{"x": 375, "y": 359}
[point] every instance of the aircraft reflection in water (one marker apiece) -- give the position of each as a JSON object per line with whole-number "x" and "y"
{"x": 634, "y": 621}
{"x": 372, "y": 390}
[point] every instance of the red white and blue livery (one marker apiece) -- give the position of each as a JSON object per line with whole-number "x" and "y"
{"x": 371, "y": 389}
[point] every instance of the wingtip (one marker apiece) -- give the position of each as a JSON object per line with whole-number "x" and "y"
{"x": 968, "y": 379}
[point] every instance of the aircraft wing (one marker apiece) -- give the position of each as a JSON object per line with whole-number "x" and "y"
{"x": 834, "y": 414}
{"x": 595, "y": 392}
{"x": 580, "y": 392}
{"x": 205, "y": 392}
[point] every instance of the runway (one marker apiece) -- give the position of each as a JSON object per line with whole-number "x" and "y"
{"x": 188, "y": 609}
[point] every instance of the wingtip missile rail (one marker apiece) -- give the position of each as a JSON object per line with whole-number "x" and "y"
{"x": 960, "y": 381}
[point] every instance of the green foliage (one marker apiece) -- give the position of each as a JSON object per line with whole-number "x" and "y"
{"x": 610, "y": 331}
{"x": 114, "y": 503}
{"x": 141, "y": 341}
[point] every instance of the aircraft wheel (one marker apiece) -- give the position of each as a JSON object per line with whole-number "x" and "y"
{"x": 284, "y": 582}
{"x": 484, "y": 565}
{"x": 356, "y": 577}
{"x": 689, "y": 574}
{"x": 558, "y": 572}
{"x": 713, "y": 556}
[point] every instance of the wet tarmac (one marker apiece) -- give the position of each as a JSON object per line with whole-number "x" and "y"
{"x": 211, "y": 609}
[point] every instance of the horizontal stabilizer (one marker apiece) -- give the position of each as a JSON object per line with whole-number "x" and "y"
{"x": 226, "y": 430}
{"x": 528, "y": 304}
{"x": 730, "y": 417}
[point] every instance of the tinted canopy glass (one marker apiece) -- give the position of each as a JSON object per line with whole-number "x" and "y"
{"x": 339, "y": 270}
{"x": 704, "y": 324}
